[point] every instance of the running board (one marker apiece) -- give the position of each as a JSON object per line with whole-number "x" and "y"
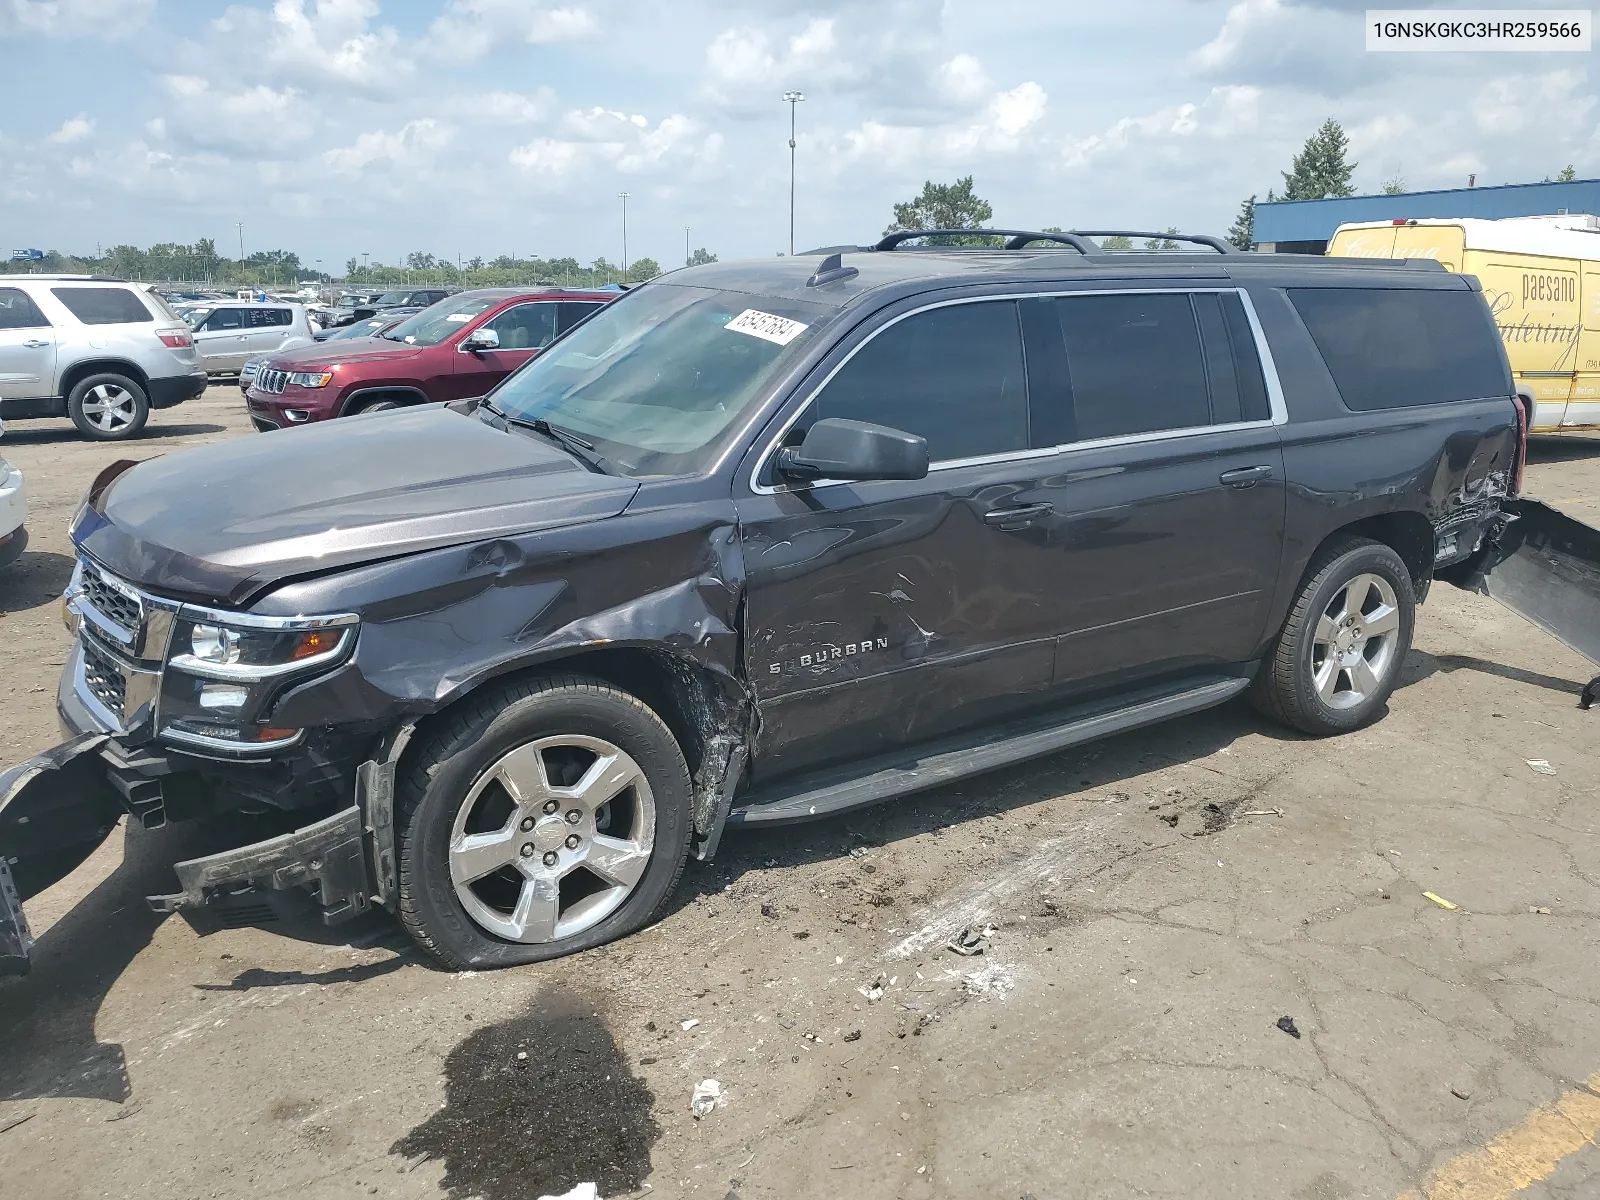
{"x": 836, "y": 791}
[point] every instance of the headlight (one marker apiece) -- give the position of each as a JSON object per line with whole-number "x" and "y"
{"x": 258, "y": 647}
{"x": 228, "y": 669}
{"x": 310, "y": 379}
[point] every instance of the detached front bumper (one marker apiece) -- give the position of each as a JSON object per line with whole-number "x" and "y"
{"x": 59, "y": 806}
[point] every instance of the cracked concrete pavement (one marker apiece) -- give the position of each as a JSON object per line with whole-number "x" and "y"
{"x": 1117, "y": 1037}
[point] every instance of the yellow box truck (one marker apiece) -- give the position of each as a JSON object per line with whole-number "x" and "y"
{"x": 1541, "y": 276}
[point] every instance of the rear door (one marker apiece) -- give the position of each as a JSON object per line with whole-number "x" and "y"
{"x": 223, "y": 340}
{"x": 1165, "y": 489}
{"x": 523, "y": 330}
{"x": 270, "y": 327}
{"x": 27, "y": 348}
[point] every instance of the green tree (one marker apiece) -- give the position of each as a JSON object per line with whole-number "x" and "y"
{"x": 1243, "y": 231}
{"x": 1394, "y": 187}
{"x": 475, "y": 263}
{"x": 945, "y": 206}
{"x": 700, "y": 258}
{"x": 1566, "y": 174}
{"x": 1163, "y": 243}
{"x": 641, "y": 269}
{"x": 1115, "y": 242}
{"x": 1320, "y": 171}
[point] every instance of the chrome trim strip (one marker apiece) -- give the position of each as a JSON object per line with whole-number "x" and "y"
{"x": 248, "y": 672}
{"x": 79, "y": 606}
{"x": 242, "y": 749}
{"x": 1269, "y": 370}
{"x": 243, "y": 620}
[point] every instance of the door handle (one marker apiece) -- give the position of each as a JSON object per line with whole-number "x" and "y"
{"x": 1245, "y": 477}
{"x": 1011, "y": 518}
{"x": 35, "y": 344}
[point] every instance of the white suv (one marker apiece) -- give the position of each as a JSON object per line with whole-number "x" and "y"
{"x": 230, "y": 333}
{"x": 101, "y": 351}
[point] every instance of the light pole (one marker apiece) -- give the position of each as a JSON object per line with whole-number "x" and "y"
{"x": 624, "y": 197}
{"x": 240, "y": 226}
{"x": 687, "y": 256}
{"x": 792, "y": 98}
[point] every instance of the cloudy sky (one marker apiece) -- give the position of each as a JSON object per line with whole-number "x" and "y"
{"x": 482, "y": 127}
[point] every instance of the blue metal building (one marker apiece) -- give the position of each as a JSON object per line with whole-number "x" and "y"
{"x": 1306, "y": 226}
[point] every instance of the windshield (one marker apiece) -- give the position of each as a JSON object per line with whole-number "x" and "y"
{"x": 392, "y": 298}
{"x": 432, "y": 325}
{"x": 655, "y": 378}
{"x": 366, "y": 328}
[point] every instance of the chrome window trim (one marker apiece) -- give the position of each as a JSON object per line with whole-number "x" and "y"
{"x": 1275, "y": 400}
{"x": 243, "y": 620}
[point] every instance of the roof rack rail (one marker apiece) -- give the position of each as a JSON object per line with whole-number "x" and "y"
{"x": 1201, "y": 239}
{"x": 1016, "y": 238}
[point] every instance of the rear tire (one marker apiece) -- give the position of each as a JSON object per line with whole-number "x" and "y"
{"x": 538, "y": 819}
{"x": 108, "y": 408}
{"x": 1339, "y": 654}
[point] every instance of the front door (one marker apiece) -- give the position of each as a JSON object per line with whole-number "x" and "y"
{"x": 523, "y": 330}
{"x": 886, "y": 613}
{"x": 223, "y": 340}
{"x": 27, "y": 348}
{"x": 269, "y": 328}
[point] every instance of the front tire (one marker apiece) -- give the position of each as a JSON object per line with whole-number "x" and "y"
{"x": 1339, "y": 654}
{"x": 108, "y": 408}
{"x": 373, "y": 406}
{"x": 539, "y": 819}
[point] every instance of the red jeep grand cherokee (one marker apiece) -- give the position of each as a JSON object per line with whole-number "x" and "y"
{"x": 460, "y": 347}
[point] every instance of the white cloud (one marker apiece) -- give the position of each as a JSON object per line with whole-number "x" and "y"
{"x": 103, "y": 19}
{"x": 506, "y": 108}
{"x": 415, "y": 142}
{"x": 618, "y": 141}
{"x": 469, "y": 29}
{"x": 962, "y": 80}
{"x": 332, "y": 41}
{"x": 73, "y": 129}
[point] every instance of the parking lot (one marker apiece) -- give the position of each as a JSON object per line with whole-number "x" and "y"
{"x": 1148, "y": 910}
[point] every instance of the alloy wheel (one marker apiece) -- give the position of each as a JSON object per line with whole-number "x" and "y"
{"x": 552, "y": 838}
{"x": 1353, "y": 649}
{"x": 109, "y": 408}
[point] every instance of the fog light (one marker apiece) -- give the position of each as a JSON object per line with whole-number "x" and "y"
{"x": 222, "y": 695}
{"x": 214, "y": 644}
{"x": 297, "y": 416}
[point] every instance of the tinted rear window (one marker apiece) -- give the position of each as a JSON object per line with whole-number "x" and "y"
{"x": 104, "y": 306}
{"x": 1394, "y": 348}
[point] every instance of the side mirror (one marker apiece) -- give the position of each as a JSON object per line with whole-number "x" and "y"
{"x": 480, "y": 339}
{"x": 836, "y": 448}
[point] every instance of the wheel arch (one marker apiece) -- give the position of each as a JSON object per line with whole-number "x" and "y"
{"x": 75, "y": 374}
{"x": 1408, "y": 534}
{"x": 401, "y": 392}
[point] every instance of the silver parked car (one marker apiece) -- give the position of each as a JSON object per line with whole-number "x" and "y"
{"x": 231, "y": 332}
{"x": 101, "y": 351}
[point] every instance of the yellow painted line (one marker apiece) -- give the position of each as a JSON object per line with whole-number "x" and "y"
{"x": 1523, "y": 1155}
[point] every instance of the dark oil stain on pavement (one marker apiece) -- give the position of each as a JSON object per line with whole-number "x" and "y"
{"x": 569, "y": 1113}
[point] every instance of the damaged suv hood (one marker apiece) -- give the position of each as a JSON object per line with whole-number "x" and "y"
{"x": 224, "y": 522}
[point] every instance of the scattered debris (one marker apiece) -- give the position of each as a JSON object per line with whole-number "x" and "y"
{"x": 1262, "y": 812}
{"x": 707, "y": 1095}
{"x": 802, "y": 935}
{"x": 1461, "y": 1093}
{"x": 874, "y": 991}
{"x": 1441, "y": 901}
{"x": 584, "y": 1191}
{"x": 1288, "y": 1026}
{"x": 1540, "y": 909}
{"x": 785, "y": 1022}
{"x": 689, "y": 1024}
{"x": 7, "y": 1126}
{"x": 858, "y": 852}
{"x": 969, "y": 941}
{"x": 1541, "y": 765}
{"x": 127, "y": 1110}
{"x": 853, "y": 1036}
{"x": 1386, "y": 896}
{"x": 522, "y": 1058}
{"x": 993, "y": 980}
{"x": 768, "y": 911}
{"x": 1170, "y": 818}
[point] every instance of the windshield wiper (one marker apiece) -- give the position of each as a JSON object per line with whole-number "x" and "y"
{"x": 570, "y": 442}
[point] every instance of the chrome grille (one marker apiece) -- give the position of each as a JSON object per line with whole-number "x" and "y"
{"x": 105, "y": 680}
{"x": 112, "y": 602}
{"x": 271, "y": 381}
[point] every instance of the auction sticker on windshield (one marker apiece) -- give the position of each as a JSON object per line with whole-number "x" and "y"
{"x": 766, "y": 326}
